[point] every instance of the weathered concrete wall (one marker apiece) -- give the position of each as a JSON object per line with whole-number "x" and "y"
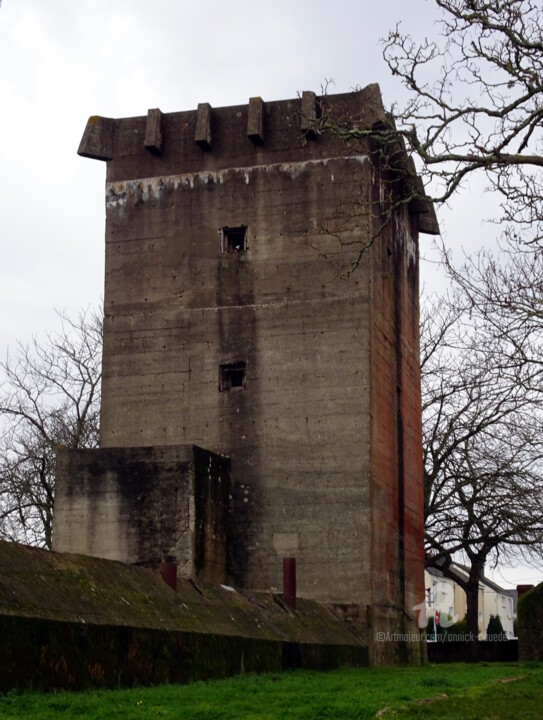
{"x": 70, "y": 621}
{"x": 303, "y": 372}
{"x": 144, "y": 505}
{"x": 396, "y": 432}
{"x": 484, "y": 651}
{"x": 49, "y": 655}
{"x": 530, "y": 624}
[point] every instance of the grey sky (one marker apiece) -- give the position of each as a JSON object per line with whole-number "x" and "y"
{"x": 63, "y": 60}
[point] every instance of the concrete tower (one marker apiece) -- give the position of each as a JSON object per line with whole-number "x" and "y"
{"x": 241, "y": 317}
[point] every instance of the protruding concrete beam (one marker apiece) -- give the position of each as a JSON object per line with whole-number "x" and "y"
{"x": 428, "y": 223}
{"x": 97, "y": 140}
{"x": 423, "y": 207}
{"x": 202, "y": 135}
{"x": 153, "y": 132}
{"x": 309, "y": 113}
{"x": 255, "y": 120}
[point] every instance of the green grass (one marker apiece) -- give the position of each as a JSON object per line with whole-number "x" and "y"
{"x": 473, "y": 691}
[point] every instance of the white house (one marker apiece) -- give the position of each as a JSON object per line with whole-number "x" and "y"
{"x": 448, "y": 598}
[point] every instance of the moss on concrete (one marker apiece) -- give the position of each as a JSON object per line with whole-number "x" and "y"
{"x": 73, "y": 621}
{"x": 75, "y": 588}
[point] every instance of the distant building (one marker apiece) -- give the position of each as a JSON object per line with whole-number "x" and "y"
{"x": 449, "y": 599}
{"x": 261, "y": 302}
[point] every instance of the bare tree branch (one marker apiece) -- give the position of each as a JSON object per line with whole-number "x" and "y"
{"x": 482, "y": 446}
{"x": 49, "y": 396}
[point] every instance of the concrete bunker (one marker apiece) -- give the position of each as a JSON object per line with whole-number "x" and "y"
{"x": 265, "y": 347}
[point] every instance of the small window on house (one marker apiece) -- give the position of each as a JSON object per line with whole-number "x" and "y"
{"x": 233, "y": 239}
{"x": 232, "y": 376}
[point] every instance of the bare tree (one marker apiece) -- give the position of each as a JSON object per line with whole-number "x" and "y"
{"x": 474, "y": 106}
{"x": 49, "y": 396}
{"x": 483, "y": 450}
{"x": 476, "y": 102}
{"x": 504, "y": 292}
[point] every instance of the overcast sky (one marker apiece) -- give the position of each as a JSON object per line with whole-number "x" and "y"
{"x": 61, "y": 61}
{"x": 64, "y": 60}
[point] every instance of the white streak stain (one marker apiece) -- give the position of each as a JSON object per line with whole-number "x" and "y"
{"x": 144, "y": 189}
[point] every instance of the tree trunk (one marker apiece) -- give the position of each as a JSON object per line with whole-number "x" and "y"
{"x": 472, "y": 613}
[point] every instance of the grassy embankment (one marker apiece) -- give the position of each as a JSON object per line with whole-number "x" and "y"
{"x": 495, "y": 691}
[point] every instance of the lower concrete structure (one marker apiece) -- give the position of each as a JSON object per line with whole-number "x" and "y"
{"x": 68, "y": 621}
{"x": 145, "y": 506}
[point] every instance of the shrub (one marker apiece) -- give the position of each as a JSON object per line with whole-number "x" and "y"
{"x": 494, "y": 630}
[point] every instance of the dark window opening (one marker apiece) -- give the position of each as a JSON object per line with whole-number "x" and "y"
{"x": 232, "y": 376}
{"x": 234, "y": 239}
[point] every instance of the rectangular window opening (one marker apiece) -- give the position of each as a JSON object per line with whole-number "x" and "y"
{"x": 234, "y": 239}
{"x": 232, "y": 376}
